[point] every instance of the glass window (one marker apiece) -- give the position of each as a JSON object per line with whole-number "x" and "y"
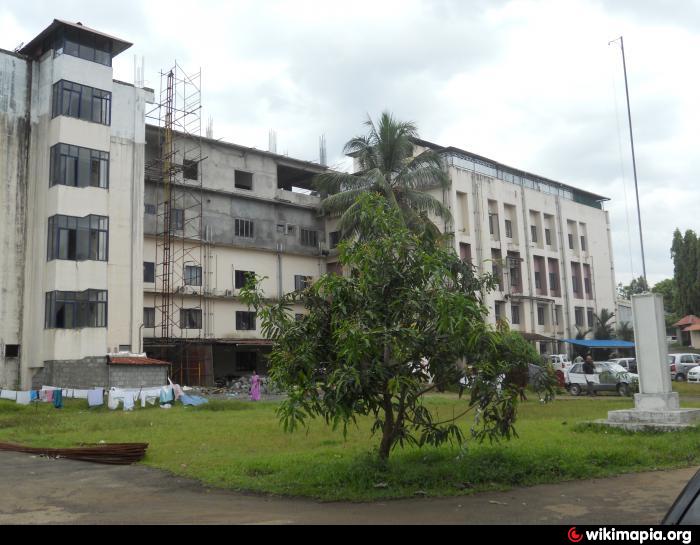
{"x": 82, "y": 102}
{"x": 333, "y": 239}
{"x": 190, "y": 169}
{"x": 302, "y": 282}
{"x": 78, "y": 167}
{"x": 242, "y": 278}
{"x": 509, "y": 229}
{"x": 533, "y": 232}
{"x": 78, "y": 239}
{"x": 177, "y": 219}
{"x": 149, "y": 317}
{"x": 583, "y": 243}
{"x": 309, "y": 238}
{"x": 74, "y": 310}
{"x": 548, "y": 237}
{"x": 243, "y": 228}
{"x": 540, "y": 315}
{"x": 190, "y": 318}
{"x": 245, "y": 321}
{"x": 193, "y": 275}
{"x": 84, "y": 45}
{"x": 578, "y": 314}
{"x": 149, "y": 271}
{"x": 589, "y": 315}
{"x": 571, "y": 241}
{"x": 515, "y": 313}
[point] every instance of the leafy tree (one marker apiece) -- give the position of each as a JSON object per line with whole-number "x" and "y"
{"x": 368, "y": 344}
{"x": 685, "y": 251}
{"x": 387, "y": 166}
{"x": 637, "y": 286}
{"x": 669, "y": 290}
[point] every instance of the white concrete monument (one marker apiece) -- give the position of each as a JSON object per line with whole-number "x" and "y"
{"x": 657, "y": 406}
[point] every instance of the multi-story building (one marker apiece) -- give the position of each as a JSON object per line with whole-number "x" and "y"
{"x": 71, "y": 194}
{"x": 81, "y": 261}
{"x": 547, "y": 244}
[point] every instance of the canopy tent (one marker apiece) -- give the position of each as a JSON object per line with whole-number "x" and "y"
{"x": 608, "y": 343}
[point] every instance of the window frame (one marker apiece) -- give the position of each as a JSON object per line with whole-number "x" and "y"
{"x": 64, "y": 158}
{"x": 88, "y": 309}
{"x": 246, "y": 320}
{"x": 91, "y": 230}
{"x": 79, "y": 101}
{"x": 243, "y": 228}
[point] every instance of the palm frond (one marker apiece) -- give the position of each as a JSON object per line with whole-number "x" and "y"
{"x": 341, "y": 202}
{"x": 425, "y": 202}
{"x": 329, "y": 183}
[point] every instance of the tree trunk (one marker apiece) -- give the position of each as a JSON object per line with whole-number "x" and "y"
{"x": 388, "y": 430}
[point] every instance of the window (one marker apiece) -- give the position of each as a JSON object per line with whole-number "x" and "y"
{"x": 243, "y": 228}
{"x": 574, "y": 283}
{"x": 243, "y": 180}
{"x": 515, "y": 275}
{"x": 587, "y": 284}
{"x": 82, "y": 102}
{"x": 540, "y": 315}
{"x": 242, "y": 278}
{"x": 533, "y": 232}
{"x": 83, "y": 45}
{"x": 553, "y": 284}
{"x": 571, "y": 241}
{"x": 493, "y": 221}
{"x": 497, "y": 309}
{"x": 78, "y": 167}
{"x": 177, "y": 219}
{"x": 538, "y": 280}
{"x": 78, "y": 239}
{"x": 190, "y": 169}
{"x": 583, "y": 243}
{"x": 309, "y": 238}
{"x": 150, "y": 209}
{"x": 12, "y": 351}
{"x": 75, "y": 309}
{"x": 515, "y": 314}
{"x": 193, "y": 275}
{"x": 589, "y": 316}
{"x": 149, "y": 271}
{"x": 509, "y": 229}
{"x": 333, "y": 239}
{"x": 548, "y": 237}
{"x": 578, "y": 315}
{"x": 190, "y": 318}
{"x": 245, "y": 321}
{"x": 149, "y": 317}
{"x": 302, "y": 282}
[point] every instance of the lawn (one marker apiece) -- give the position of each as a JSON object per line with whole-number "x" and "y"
{"x": 240, "y": 445}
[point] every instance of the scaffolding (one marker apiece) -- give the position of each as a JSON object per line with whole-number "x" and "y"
{"x": 180, "y": 306}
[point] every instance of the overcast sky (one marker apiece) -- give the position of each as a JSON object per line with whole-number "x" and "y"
{"x": 532, "y": 84}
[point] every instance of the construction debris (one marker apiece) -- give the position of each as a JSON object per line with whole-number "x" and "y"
{"x": 107, "y": 453}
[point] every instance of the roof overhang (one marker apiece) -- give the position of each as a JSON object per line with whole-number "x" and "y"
{"x": 35, "y": 47}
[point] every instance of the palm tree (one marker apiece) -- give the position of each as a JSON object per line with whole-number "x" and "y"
{"x": 388, "y": 167}
{"x": 625, "y": 332}
{"x": 604, "y": 328}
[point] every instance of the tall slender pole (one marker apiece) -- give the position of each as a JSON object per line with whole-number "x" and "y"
{"x": 634, "y": 162}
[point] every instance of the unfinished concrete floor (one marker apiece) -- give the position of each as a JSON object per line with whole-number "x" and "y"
{"x": 36, "y": 490}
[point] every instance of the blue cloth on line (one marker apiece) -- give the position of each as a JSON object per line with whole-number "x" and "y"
{"x": 35, "y": 395}
{"x": 192, "y": 400}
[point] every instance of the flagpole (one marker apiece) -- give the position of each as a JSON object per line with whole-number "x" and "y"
{"x": 634, "y": 162}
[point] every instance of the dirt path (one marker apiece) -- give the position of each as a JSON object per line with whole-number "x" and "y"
{"x": 37, "y": 490}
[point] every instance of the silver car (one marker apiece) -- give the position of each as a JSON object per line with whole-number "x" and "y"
{"x": 681, "y": 364}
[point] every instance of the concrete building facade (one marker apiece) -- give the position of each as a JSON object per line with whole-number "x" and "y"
{"x": 79, "y": 258}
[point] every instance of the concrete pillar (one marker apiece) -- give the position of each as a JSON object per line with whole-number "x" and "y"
{"x": 655, "y": 391}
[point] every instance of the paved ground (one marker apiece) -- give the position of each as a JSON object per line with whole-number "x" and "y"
{"x": 36, "y": 490}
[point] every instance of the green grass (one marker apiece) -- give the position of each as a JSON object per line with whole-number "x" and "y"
{"x": 241, "y": 446}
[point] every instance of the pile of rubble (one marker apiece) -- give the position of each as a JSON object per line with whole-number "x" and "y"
{"x": 238, "y": 387}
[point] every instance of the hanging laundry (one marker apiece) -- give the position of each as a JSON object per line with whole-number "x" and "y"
{"x": 95, "y": 397}
{"x": 24, "y": 398}
{"x": 192, "y": 400}
{"x": 35, "y": 395}
{"x": 50, "y": 395}
{"x": 128, "y": 401}
{"x": 58, "y": 399}
{"x": 166, "y": 394}
{"x": 115, "y": 396}
{"x": 8, "y": 394}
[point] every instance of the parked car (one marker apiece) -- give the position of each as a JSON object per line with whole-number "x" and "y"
{"x": 608, "y": 377}
{"x": 694, "y": 374}
{"x": 681, "y": 364}
{"x": 628, "y": 363}
{"x": 560, "y": 362}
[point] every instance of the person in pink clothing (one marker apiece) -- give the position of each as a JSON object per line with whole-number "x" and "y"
{"x": 255, "y": 387}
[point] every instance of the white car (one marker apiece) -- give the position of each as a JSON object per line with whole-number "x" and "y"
{"x": 608, "y": 377}
{"x": 628, "y": 363}
{"x": 560, "y": 362}
{"x": 694, "y": 374}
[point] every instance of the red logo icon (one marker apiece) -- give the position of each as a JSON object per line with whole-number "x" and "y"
{"x": 574, "y": 536}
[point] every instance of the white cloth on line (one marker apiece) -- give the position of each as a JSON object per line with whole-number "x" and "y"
{"x": 24, "y": 398}
{"x": 129, "y": 402}
{"x": 8, "y": 394}
{"x": 95, "y": 397}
